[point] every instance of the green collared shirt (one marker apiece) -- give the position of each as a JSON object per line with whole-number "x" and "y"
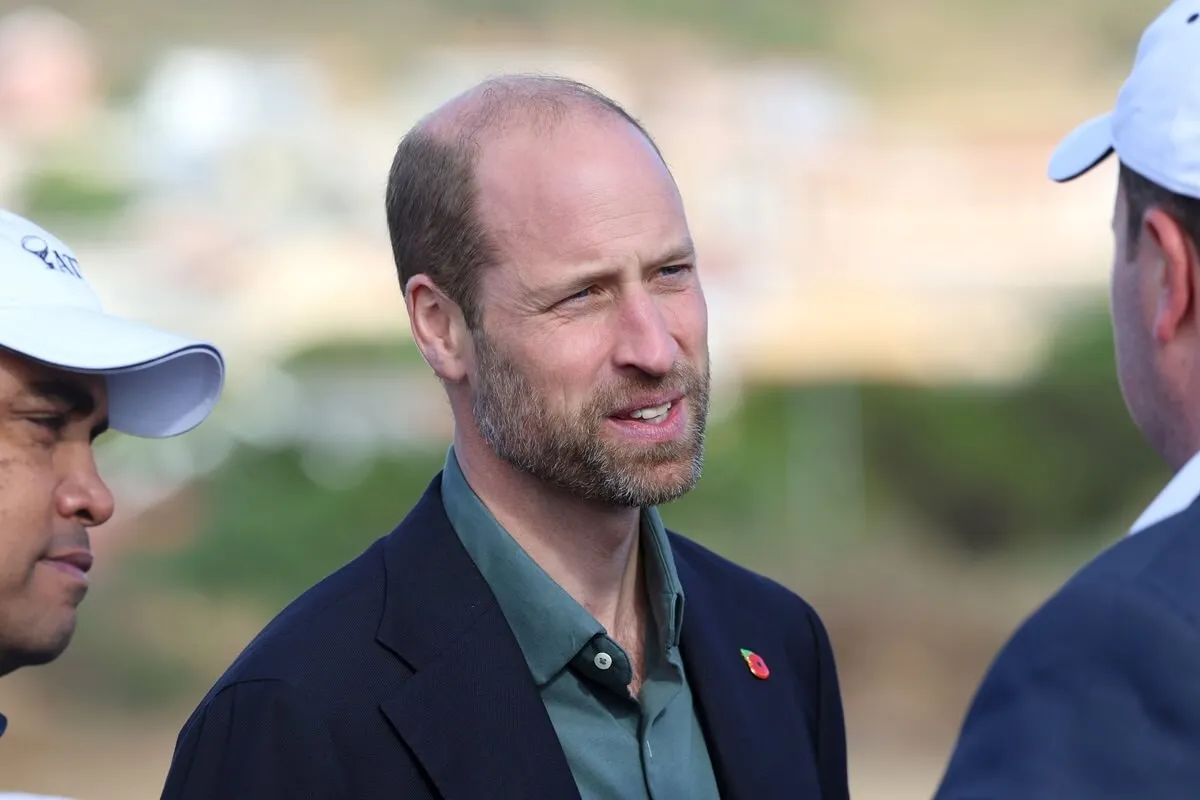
{"x": 617, "y": 746}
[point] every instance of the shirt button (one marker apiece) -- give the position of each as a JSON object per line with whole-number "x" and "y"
{"x": 602, "y": 661}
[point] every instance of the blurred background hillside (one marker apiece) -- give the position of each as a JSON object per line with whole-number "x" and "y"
{"x": 916, "y": 424}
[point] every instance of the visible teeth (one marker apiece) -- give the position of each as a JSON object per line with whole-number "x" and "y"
{"x": 653, "y": 414}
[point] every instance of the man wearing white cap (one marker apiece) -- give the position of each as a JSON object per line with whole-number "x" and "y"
{"x": 68, "y": 372}
{"x": 1097, "y": 695}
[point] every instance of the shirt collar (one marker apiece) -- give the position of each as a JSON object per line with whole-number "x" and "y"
{"x": 662, "y": 580}
{"x": 550, "y": 626}
{"x": 1176, "y": 496}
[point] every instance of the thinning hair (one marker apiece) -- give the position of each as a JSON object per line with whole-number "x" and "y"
{"x": 432, "y": 193}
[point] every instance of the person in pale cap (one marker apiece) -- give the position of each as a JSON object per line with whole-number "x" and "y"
{"x": 69, "y": 372}
{"x": 1097, "y": 694}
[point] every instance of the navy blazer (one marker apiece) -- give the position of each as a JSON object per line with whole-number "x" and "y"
{"x": 1097, "y": 695}
{"x": 398, "y": 677}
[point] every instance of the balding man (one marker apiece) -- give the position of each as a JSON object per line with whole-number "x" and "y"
{"x": 523, "y": 633}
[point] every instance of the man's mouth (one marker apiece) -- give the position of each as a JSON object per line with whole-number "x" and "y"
{"x": 655, "y": 415}
{"x": 76, "y": 563}
{"x": 652, "y": 410}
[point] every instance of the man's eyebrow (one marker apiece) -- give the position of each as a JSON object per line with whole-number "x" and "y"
{"x": 73, "y": 398}
{"x": 684, "y": 251}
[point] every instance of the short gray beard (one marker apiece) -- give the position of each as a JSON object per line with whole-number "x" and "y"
{"x": 516, "y": 422}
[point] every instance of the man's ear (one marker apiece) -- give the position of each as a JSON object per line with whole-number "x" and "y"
{"x": 438, "y": 328}
{"x": 1175, "y": 281}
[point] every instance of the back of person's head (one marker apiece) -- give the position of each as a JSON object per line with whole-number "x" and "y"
{"x": 1154, "y": 130}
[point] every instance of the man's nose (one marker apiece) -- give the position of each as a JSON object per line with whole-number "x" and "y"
{"x": 644, "y": 339}
{"x": 84, "y": 496}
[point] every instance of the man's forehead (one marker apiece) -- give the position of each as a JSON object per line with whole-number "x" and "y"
{"x": 529, "y": 188}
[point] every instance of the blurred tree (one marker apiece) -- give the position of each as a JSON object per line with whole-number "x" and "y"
{"x": 989, "y": 469}
{"x": 983, "y": 469}
{"x": 60, "y": 197}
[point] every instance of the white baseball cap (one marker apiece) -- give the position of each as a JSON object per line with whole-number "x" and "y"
{"x": 1155, "y": 126}
{"x": 159, "y": 384}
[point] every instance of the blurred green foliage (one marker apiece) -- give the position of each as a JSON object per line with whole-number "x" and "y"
{"x": 974, "y": 471}
{"x": 759, "y": 23}
{"x": 395, "y": 353}
{"x": 380, "y": 33}
{"x": 56, "y": 196}
{"x": 984, "y": 470}
{"x": 112, "y": 664}
{"x": 269, "y": 532}
{"x": 993, "y": 469}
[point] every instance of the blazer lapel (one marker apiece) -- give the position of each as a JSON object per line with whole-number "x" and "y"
{"x": 471, "y": 713}
{"x": 754, "y": 732}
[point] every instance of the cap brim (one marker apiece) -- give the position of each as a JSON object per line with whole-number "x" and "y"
{"x": 1082, "y": 149}
{"x": 159, "y": 384}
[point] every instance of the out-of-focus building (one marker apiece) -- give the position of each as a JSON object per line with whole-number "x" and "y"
{"x": 835, "y": 243}
{"x": 49, "y": 77}
{"x": 49, "y": 88}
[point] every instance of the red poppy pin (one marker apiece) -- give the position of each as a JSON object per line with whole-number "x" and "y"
{"x": 758, "y": 667}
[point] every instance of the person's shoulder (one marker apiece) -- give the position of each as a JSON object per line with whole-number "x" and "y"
{"x": 1080, "y": 672}
{"x": 1161, "y": 561}
{"x": 1139, "y": 589}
